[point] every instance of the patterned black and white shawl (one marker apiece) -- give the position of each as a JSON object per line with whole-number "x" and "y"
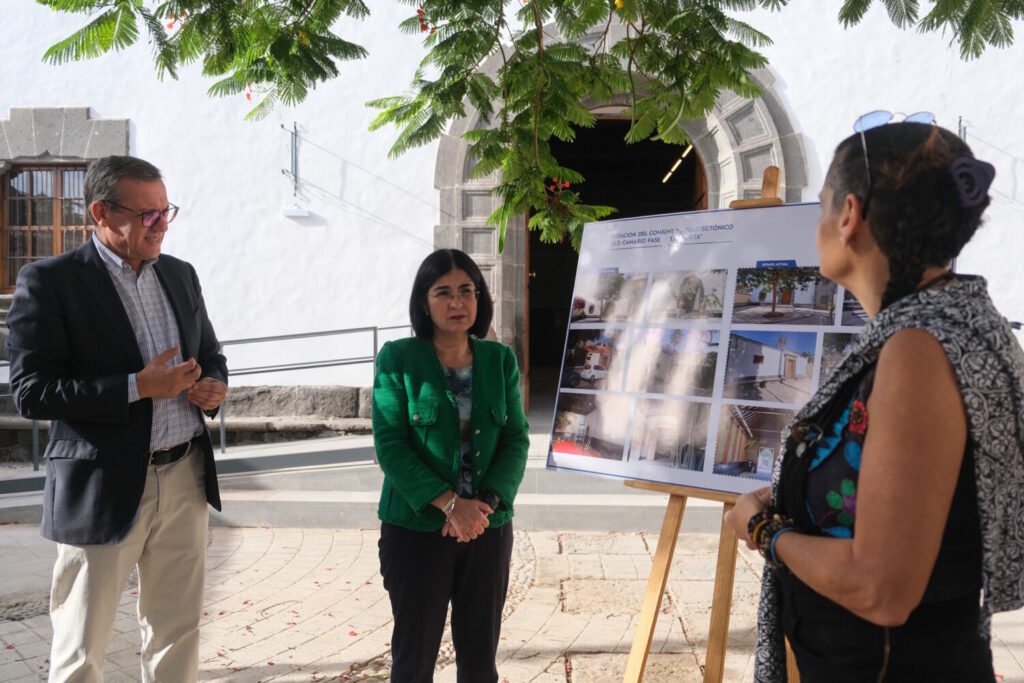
{"x": 989, "y": 366}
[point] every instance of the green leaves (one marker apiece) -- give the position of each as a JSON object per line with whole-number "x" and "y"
{"x": 671, "y": 58}
{"x": 113, "y": 29}
{"x": 276, "y": 49}
{"x": 974, "y": 24}
{"x": 530, "y": 84}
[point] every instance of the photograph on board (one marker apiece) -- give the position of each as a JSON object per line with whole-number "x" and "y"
{"x": 673, "y": 361}
{"x": 608, "y": 296}
{"x": 853, "y": 312}
{"x": 834, "y": 347}
{"x": 593, "y": 425}
{"x": 594, "y": 359}
{"x": 669, "y": 433}
{"x": 687, "y": 295}
{"x": 749, "y": 439}
{"x": 788, "y": 295}
{"x": 770, "y": 365}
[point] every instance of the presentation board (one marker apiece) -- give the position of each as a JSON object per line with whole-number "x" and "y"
{"x": 693, "y": 339}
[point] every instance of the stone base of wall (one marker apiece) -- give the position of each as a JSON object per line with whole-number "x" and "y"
{"x": 298, "y": 401}
{"x": 252, "y": 415}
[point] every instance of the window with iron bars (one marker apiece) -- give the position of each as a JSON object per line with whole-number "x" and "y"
{"x": 42, "y": 214}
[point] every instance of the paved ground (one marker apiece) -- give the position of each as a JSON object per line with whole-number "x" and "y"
{"x": 290, "y": 605}
{"x": 308, "y": 605}
{"x": 784, "y": 314}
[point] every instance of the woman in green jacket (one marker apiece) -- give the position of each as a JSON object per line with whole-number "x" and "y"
{"x": 451, "y": 437}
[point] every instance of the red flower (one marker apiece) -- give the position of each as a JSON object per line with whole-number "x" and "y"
{"x": 858, "y": 417}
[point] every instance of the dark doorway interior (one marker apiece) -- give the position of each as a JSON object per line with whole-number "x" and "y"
{"x": 628, "y": 177}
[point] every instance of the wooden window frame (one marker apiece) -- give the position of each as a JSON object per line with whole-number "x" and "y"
{"x": 57, "y": 226}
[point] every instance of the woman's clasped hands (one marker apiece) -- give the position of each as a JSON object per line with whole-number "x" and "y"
{"x": 468, "y": 520}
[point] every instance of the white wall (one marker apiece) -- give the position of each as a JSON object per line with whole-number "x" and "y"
{"x": 349, "y": 264}
{"x": 741, "y": 360}
{"x": 352, "y": 262}
{"x": 802, "y": 295}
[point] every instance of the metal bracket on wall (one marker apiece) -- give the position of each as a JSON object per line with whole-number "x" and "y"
{"x": 294, "y": 172}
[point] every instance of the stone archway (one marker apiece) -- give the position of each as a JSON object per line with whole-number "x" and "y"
{"x": 737, "y": 140}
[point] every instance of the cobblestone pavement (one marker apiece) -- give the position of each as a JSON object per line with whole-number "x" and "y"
{"x": 290, "y": 605}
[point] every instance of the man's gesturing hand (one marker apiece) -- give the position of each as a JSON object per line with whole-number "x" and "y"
{"x": 208, "y": 393}
{"x": 159, "y": 380}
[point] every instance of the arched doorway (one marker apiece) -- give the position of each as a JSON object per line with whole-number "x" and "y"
{"x": 637, "y": 179}
{"x": 737, "y": 140}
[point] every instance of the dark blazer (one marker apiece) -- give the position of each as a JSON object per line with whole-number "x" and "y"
{"x": 72, "y": 348}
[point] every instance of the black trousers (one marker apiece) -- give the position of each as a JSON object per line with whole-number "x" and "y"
{"x": 423, "y": 572}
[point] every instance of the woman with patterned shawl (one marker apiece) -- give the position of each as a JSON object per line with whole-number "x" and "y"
{"x": 894, "y": 526}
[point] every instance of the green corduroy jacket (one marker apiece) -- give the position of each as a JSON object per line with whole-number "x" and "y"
{"x": 416, "y": 430}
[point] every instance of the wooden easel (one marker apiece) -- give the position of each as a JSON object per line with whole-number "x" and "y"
{"x": 725, "y": 571}
{"x": 721, "y": 602}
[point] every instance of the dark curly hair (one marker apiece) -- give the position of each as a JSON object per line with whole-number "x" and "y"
{"x": 915, "y": 213}
{"x": 433, "y": 268}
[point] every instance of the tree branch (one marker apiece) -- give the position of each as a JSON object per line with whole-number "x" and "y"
{"x": 539, "y": 24}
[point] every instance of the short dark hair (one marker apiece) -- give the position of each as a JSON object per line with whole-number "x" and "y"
{"x": 104, "y": 175}
{"x": 915, "y": 213}
{"x": 433, "y": 268}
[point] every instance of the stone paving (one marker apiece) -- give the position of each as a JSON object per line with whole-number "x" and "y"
{"x": 290, "y": 605}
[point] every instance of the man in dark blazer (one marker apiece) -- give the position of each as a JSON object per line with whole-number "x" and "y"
{"x": 112, "y": 344}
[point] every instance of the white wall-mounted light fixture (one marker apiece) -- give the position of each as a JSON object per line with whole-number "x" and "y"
{"x": 294, "y": 212}
{"x": 689, "y": 148}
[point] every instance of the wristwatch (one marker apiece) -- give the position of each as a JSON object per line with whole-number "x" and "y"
{"x": 490, "y": 499}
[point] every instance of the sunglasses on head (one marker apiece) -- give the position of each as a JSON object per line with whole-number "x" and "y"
{"x": 874, "y": 119}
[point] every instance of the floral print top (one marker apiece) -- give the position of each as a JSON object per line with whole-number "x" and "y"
{"x": 835, "y": 466}
{"x": 460, "y": 380}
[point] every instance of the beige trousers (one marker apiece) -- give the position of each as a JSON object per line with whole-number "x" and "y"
{"x": 168, "y": 545}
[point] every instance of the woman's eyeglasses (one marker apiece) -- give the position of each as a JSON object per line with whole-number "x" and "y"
{"x": 462, "y": 294}
{"x": 874, "y": 119}
{"x": 150, "y": 217}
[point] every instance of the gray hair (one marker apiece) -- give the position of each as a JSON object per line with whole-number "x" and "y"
{"x": 104, "y": 175}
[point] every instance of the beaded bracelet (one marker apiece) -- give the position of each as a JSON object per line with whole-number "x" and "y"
{"x": 764, "y": 528}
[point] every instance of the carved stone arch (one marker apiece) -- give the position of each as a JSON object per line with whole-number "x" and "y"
{"x": 735, "y": 142}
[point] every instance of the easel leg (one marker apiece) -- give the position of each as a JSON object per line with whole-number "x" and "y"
{"x": 721, "y": 602}
{"x": 655, "y": 589}
{"x": 792, "y": 674}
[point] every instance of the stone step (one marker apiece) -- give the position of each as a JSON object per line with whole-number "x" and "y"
{"x": 625, "y": 512}
{"x": 327, "y": 472}
{"x": 333, "y": 483}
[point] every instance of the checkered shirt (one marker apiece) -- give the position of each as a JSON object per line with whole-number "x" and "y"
{"x": 175, "y": 420}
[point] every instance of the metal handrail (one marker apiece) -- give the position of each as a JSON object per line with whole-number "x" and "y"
{"x": 35, "y": 423}
{"x": 282, "y": 367}
{"x": 302, "y": 365}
